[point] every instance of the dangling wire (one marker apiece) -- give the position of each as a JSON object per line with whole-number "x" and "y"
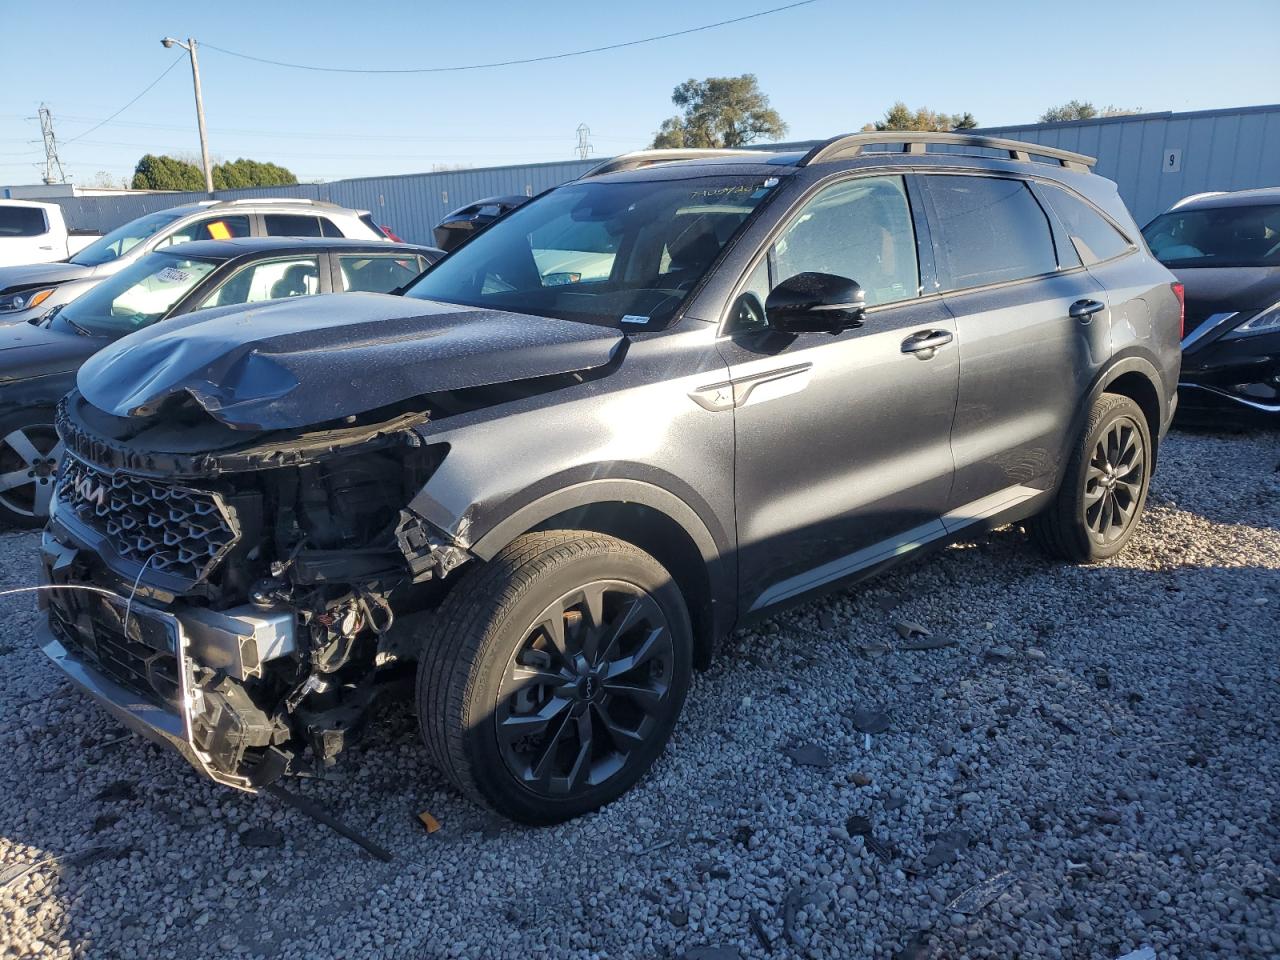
{"x": 128, "y": 606}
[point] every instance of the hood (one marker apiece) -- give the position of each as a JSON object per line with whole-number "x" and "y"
{"x": 35, "y": 273}
{"x": 294, "y": 363}
{"x": 1218, "y": 289}
{"x": 28, "y": 351}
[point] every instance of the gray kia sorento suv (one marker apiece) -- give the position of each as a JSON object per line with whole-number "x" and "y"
{"x": 645, "y": 407}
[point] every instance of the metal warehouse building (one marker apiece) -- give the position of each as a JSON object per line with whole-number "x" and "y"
{"x": 1155, "y": 158}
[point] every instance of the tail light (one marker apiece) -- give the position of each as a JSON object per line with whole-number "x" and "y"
{"x": 1180, "y": 292}
{"x": 390, "y": 234}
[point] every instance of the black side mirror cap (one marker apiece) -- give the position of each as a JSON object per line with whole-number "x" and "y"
{"x": 816, "y": 303}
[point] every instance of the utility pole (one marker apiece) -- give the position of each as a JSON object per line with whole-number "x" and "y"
{"x": 190, "y": 47}
{"x": 584, "y": 143}
{"x": 51, "y": 161}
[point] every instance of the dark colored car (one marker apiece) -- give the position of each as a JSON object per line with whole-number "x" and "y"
{"x": 1225, "y": 248}
{"x": 466, "y": 222}
{"x": 38, "y": 361}
{"x": 648, "y": 406}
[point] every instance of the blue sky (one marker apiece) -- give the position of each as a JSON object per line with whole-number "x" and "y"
{"x": 828, "y": 68}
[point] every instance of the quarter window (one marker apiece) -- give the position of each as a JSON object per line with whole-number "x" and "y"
{"x": 859, "y": 229}
{"x": 271, "y": 280}
{"x": 989, "y": 230}
{"x": 1095, "y": 240}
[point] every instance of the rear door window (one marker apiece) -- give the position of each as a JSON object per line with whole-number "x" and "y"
{"x": 988, "y": 230}
{"x": 1092, "y": 236}
{"x": 291, "y": 225}
{"x": 269, "y": 280}
{"x": 377, "y": 273}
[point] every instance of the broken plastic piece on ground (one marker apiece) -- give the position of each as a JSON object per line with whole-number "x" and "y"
{"x": 907, "y": 629}
{"x": 981, "y": 895}
{"x": 428, "y": 821}
{"x": 808, "y": 755}
{"x": 869, "y": 720}
{"x": 315, "y": 812}
{"x": 927, "y": 643}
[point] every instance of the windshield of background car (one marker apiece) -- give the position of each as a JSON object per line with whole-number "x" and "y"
{"x": 1247, "y": 236}
{"x": 123, "y": 239}
{"x": 599, "y": 252}
{"x": 138, "y": 295}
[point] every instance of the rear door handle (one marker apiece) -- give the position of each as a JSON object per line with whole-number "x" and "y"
{"x": 1085, "y": 309}
{"x": 926, "y": 343}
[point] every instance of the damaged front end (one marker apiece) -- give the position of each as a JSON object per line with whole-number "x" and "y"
{"x": 246, "y": 599}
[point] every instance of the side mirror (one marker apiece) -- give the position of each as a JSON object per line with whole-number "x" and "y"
{"x": 816, "y": 303}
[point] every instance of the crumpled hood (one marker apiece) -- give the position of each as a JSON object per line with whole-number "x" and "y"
{"x": 34, "y": 273}
{"x": 28, "y": 351}
{"x": 295, "y": 363}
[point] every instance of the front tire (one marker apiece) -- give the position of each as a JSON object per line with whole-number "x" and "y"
{"x": 29, "y": 456}
{"x": 1104, "y": 489}
{"x": 553, "y": 675}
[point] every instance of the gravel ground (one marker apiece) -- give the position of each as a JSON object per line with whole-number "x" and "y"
{"x": 1091, "y": 766}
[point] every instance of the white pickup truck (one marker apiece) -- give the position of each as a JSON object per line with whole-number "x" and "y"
{"x": 32, "y": 232}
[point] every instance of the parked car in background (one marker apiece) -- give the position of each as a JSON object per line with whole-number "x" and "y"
{"x": 547, "y": 499}
{"x": 33, "y": 232}
{"x": 38, "y": 362}
{"x": 27, "y": 292}
{"x": 1225, "y": 248}
{"x": 466, "y": 222}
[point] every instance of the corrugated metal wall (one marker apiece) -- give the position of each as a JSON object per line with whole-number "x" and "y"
{"x": 410, "y": 205}
{"x": 1209, "y": 150}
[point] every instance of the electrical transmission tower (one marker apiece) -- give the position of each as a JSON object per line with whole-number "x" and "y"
{"x": 584, "y": 143}
{"x": 51, "y": 161}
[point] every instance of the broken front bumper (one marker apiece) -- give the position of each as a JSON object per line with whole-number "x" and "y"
{"x": 135, "y": 660}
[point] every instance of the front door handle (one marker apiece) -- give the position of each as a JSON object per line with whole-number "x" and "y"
{"x": 926, "y": 343}
{"x": 1085, "y": 309}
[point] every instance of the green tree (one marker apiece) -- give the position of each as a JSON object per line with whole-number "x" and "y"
{"x": 720, "y": 112}
{"x": 1084, "y": 110}
{"x": 237, "y": 174}
{"x": 166, "y": 173}
{"x": 902, "y": 117}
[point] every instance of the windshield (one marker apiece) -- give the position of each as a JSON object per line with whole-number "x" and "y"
{"x": 599, "y": 252}
{"x": 123, "y": 239}
{"x": 1217, "y": 237}
{"x": 138, "y": 295}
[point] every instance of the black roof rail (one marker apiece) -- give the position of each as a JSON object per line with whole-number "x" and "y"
{"x": 646, "y": 158}
{"x": 850, "y": 145}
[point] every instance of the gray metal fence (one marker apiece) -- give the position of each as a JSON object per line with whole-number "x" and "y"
{"x": 410, "y": 204}
{"x": 1155, "y": 158}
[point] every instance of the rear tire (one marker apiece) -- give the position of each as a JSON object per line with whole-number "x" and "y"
{"x": 29, "y": 456}
{"x": 552, "y": 675}
{"x": 1104, "y": 488}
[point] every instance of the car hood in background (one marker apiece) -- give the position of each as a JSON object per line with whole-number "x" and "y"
{"x": 296, "y": 363}
{"x": 32, "y": 273}
{"x": 1217, "y": 289}
{"x": 28, "y": 351}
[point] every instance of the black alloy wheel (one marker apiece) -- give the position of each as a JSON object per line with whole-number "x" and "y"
{"x": 1114, "y": 482}
{"x": 588, "y": 683}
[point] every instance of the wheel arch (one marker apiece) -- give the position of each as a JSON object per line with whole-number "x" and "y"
{"x": 1137, "y": 378}
{"x": 651, "y": 518}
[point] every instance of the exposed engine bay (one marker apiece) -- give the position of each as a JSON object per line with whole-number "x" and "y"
{"x": 261, "y": 589}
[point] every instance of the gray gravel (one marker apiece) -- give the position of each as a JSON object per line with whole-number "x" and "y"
{"x": 1090, "y": 767}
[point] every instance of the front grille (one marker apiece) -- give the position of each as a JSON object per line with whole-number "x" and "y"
{"x": 142, "y": 660}
{"x": 168, "y": 528}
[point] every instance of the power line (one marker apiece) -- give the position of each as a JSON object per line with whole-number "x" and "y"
{"x": 513, "y": 63}
{"x": 145, "y": 91}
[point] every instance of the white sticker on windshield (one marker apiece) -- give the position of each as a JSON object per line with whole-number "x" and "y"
{"x": 634, "y": 318}
{"x": 173, "y": 275}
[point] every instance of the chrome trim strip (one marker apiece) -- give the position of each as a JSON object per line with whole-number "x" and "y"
{"x": 1254, "y": 404}
{"x": 1211, "y": 323}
